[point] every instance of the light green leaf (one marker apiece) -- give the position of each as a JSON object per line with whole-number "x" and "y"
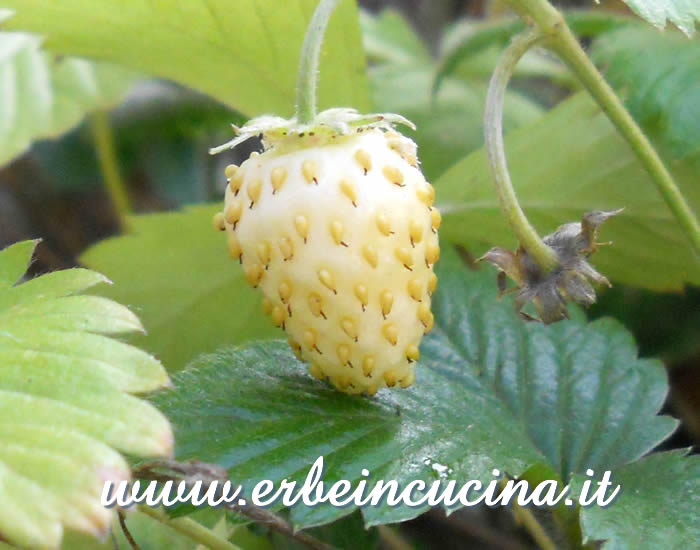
{"x": 242, "y": 53}
{"x": 657, "y": 506}
{"x": 569, "y": 162}
{"x": 682, "y": 13}
{"x": 63, "y": 410}
{"x": 449, "y": 125}
{"x": 491, "y": 392}
{"x": 174, "y": 269}
{"x": 389, "y": 38}
{"x": 42, "y": 95}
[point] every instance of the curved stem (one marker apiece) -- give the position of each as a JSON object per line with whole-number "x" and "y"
{"x": 190, "y": 528}
{"x": 493, "y": 137}
{"x": 561, "y": 40}
{"x": 109, "y": 165}
{"x": 307, "y": 77}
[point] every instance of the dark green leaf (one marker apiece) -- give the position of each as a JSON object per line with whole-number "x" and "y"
{"x": 491, "y": 392}
{"x": 657, "y": 506}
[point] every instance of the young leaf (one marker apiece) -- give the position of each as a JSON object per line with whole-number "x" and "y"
{"x": 63, "y": 413}
{"x": 491, "y": 392}
{"x": 569, "y": 162}
{"x": 656, "y": 507}
{"x": 174, "y": 270}
{"x": 242, "y": 53}
{"x": 42, "y": 95}
{"x": 682, "y": 13}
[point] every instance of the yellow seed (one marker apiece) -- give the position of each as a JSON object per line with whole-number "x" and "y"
{"x": 349, "y": 190}
{"x": 254, "y": 189}
{"x": 404, "y": 256}
{"x": 426, "y": 194}
{"x": 219, "y": 221}
{"x": 279, "y": 314}
{"x": 302, "y": 225}
{"x": 383, "y": 224}
{"x": 309, "y": 169}
{"x": 435, "y": 219}
{"x": 342, "y": 382}
{"x": 362, "y": 294}
{"x": 432, "y": 283}
{"x": 326, "y": 279}
{"x": 363, "y": 159}
{"x": 343, "y": 353}
{"x": 296, "y": 348}
{"x": 230, "y": 171}
{"x": 236, "y": 181}
{"x": 393, "y": 174}
{"x": 390, "y": 378}
{"x": 316, "y": 371}
{"x": 264, "y": 253}
{"x": 349, "y": 327}
{"x": 316, "y": 304}
{"x": 386, "y": 300}
{"x": 285, "y": 291}
{"x": 415, "y": 289}
{"x": 411, "y": 159}
{"x": 391, "y": 333}
{"x": 369, "y": 252}
{"x": 309, "y": 338}
{"x": 368, "y": 365}
{"x": 415, "y": 230}
{"x": 425, "y": 316}
{"x": 337, "y": 231}
{"x": 408, "y": 380}
{"x": 253, "y": 274}
{"x": 371, "y": 389}
{"x": 412, "y": 353}
{"x": 432, "y": 253}
{"x": 234, "y": 246}
{"x": 277, "y": 177}
{"x": 286, "y": 248}
{"x": 267, "y": 306}
{"x": 233, "y": 212}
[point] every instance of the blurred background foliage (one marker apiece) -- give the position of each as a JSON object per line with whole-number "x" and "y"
{"x": 149, "y": 138}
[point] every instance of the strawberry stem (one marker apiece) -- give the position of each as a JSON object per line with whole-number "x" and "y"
{"x": 493, "y": 137}
{"x": 307, "y": 79}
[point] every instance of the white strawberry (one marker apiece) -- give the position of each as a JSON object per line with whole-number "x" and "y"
{"x": 336, "y": 224}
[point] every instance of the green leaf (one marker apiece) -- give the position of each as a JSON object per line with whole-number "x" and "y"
{"x": 42, "y": 95}
{"x": 682, "y": 13}
{"x": 174, "y": 269}
{"x": 241, "y": 53}
{"x": 449, "y": 125}
{"x": 569, "y": 162}
{"x": 491, "y": 392}
{"x": 389, "y": 38}
{"x": 657, "y": 506}
{"x": 661, "y": 88}
{"x": 63, "y": 410}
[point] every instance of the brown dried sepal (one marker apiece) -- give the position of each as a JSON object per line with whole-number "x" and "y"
{"x": 573, "y": 244}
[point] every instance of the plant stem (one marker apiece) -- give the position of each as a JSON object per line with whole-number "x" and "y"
{"x": 493, "y": 137}
{"x": 307, "y": 78}
{"x": 190, "y": 528}
{"x": 109, "y": 166}
{"x": 561, "y": 40}
{"x": 526, "y": 518}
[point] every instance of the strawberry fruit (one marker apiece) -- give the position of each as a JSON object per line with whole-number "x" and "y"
{"x": 335, "y": 223}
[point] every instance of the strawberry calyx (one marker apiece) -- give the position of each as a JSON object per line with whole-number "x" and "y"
{"x": 330, "y": 125}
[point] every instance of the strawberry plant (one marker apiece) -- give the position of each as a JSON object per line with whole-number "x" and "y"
{"x": 375, "y": 302}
